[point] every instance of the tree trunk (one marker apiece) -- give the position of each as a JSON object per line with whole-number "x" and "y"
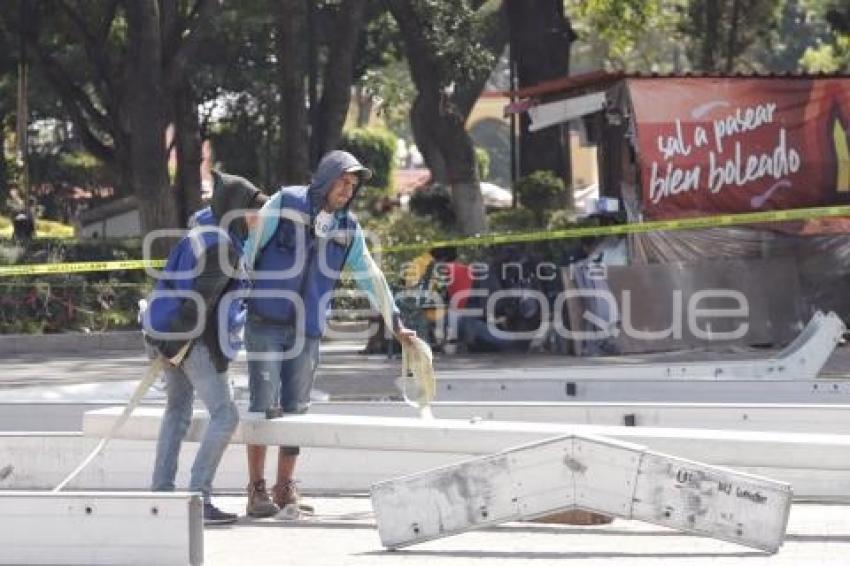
{"x": 439, "y": 120}
{"x": 338, "y": 76}
{"x": 541, "y": 36}
{"x": 442, "y": 138}
{"x": 292, "y": 61}
{"x": 462, "y": 173}
{"x": 427, "y": 144}
{"x": 709, "y": 45}
{"x": 149, "y": 176}
{"x": 4, "y": 171}
{"x": 364, "y": 107}
{"x": 121, "y": 169}
{"x": 187, "y": 143}
{"x": 732, "y": 40}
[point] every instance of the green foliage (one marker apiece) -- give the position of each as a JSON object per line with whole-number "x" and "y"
{"x": 539, "y": 192}
{"x": 434, "y": 201}
{"x": 66, "y": 304}
{"x": 451, "y": 28}
{"x": 561, "y": 219}
{"x": 799, "y": 26}
{"x": 705, "y": 35}
{"x": 393, "y": 90}
{"x": 381, "y": 44}
{"x": 482, "y": 163}
{"x": 619, "y": 24}
{"x": 369, "y": 203}
{"x": 827, "y": 58}
{"x": 723, "y": 32}
{"x": 513, "y": 220}
{"x": 493, "y": 136}
{"x": 831, "y": 51}
{"x": 634, "y": 35}
{"x": 375, "y": 148}
{"x": 234, "y": 141}
{"x": 400, "y": 227}
{"x": 104, "y": 300}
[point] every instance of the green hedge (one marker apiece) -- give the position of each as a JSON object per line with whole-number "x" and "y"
{"x": 97, "y": 301}
{"x": 375, "y": 148}
{"x": 63, "y": 303}
{"x": 512, "y": 220}
{"x": 434, "y": 201}
{"x": 540, "y": 192}
{"x": 482, "y": 163}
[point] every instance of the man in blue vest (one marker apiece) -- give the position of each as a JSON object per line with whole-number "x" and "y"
{"x": 306, "y": 236}
{"x": 182, "y": 324}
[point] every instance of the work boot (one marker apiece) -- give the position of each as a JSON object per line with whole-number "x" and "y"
{"x": 259, "y": 503}
{"x": 286, "y": 497}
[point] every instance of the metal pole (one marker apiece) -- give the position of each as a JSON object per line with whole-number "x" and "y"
{"x": 513, "y": 125}
{"x": 312, "y": 81}
{"x": 22, "y": 111}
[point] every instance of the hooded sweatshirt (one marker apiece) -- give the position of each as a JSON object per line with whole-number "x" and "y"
{"x": 204, "y": 264}
{"x": 287, "y": 257}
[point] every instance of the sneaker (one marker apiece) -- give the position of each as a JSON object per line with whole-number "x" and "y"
{"x": 286, "y": 495}
{"x": 259, "y": 503}
{"x": 215, "y": 516}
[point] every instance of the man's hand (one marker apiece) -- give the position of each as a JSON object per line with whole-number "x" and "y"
{"x": 405, "y": 335}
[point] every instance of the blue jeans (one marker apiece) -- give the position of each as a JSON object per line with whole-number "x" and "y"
{"x": 285, "y": 370}
{"x": 196, "y": 373}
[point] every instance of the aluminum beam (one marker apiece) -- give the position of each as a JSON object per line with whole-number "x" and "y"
{"x": 613, "y": 478}
{"x": 562, "y": 386}
{"x": 100, "y": 528}
{"x": 41, "y": 461}
{"x": 768, "y": 417}
{"x": 720, "y": 447}
{"x": 776, "y": 417}
{"x": 788, "y": 377}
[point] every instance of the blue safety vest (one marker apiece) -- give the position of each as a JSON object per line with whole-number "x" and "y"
{"x": 183, "y": 260}
{"x": 321, "y": 261}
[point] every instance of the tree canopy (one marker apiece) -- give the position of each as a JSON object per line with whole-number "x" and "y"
{"x": 272, "y": 82}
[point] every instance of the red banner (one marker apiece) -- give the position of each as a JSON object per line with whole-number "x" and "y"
{"x": 727, "y": 145}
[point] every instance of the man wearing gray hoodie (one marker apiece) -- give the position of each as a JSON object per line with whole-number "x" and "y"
{"x": 306, "y": 236}
{"x": 186, "y": 308}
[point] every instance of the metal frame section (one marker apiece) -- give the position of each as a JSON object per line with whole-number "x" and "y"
{"x": 718, "y": 447}
{"x": 768, "y": 417}
{"x": 101, "y": 528}
{"x": 40, "y": 461}
{"x": 613, "y": 478}
{"x": 788, "y": 377}
{"x": 777, "y": 417}
{"x": 724, "y": 447}
{"x": 550, "y": 386}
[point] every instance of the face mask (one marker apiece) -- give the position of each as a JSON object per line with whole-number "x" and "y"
{"x": 324, "y": 224}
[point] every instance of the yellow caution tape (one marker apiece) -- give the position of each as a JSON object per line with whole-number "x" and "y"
{"x": 634, "y": 228}
{"x": 492, "y": 239}
{"x": 78, "y": 267}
